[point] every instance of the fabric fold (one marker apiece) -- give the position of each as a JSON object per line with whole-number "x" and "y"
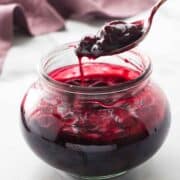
{"x": 34, "y": 17}
{"x": 102, "y": 8}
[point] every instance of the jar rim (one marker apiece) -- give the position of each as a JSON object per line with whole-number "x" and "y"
{"x": 120, "y": 87}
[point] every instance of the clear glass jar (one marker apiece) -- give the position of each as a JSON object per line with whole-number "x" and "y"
{"x": 95, "y": 132}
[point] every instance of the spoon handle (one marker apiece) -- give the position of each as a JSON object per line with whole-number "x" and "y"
{"x": 154, "y": 10}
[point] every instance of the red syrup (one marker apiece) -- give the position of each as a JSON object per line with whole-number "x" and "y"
{"x": 95, "y": 74}
{"x": 89, "y": 137}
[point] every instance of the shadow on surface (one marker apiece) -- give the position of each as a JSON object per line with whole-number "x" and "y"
{"x": 50, "y": 174}
{"x": 147, "y": 171}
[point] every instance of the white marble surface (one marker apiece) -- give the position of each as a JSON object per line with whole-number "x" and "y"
{"x": 17, "y": 160}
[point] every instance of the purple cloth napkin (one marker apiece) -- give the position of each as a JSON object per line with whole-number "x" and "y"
{"x": 43, "y": 16}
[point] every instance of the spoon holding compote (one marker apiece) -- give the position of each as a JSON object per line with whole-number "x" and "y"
{"x": 118, "y": 36}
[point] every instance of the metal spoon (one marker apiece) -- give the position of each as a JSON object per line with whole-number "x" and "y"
{"x": 117, "y": 36}
{"x": 146, "y": 26}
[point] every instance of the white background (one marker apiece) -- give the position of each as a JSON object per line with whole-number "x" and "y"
{"x": 17, "y": 162}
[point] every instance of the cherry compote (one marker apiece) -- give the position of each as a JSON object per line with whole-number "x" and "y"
{"x": 99, "y": 125}
{"x": 114, "y": 37}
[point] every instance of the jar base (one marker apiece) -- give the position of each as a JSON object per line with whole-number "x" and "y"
{"x": 100, "y": 177}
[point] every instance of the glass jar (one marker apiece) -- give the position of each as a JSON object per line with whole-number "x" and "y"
{"x": 95, "y": 132}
